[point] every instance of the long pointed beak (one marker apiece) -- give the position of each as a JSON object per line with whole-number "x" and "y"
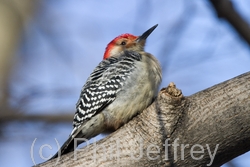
{"x": 144, "y": 36}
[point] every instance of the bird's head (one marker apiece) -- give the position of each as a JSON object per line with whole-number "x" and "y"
{"x": 127, "y": 42}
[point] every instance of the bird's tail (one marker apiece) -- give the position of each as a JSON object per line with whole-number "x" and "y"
{"x": 67, "y": 147}
{"x": 92, "y": 128}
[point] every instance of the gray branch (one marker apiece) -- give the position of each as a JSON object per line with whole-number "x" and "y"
{"x": 14, "y": 115}
{"x": 225, "y": 9}
{"x": 210, "y": 127}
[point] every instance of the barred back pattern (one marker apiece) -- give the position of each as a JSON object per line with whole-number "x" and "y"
{"x": 103, "y": 84}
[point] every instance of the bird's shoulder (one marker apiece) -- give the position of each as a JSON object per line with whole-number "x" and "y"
{"x": 114, "y": 67}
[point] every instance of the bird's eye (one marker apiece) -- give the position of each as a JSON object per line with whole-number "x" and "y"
{"x": 123, "y": 43}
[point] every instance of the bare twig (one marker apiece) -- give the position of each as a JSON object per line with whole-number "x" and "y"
{"x": 225, "y": 9}
{"x": 17, "y": 116}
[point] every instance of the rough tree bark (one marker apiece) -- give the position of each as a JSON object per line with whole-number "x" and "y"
{"x": 216, "y": 120}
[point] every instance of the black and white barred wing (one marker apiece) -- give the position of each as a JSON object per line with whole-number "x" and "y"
{"x": 102, "y": 86}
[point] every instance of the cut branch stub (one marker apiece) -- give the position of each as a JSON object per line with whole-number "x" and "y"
{"x": 167, "y": 107}
{"x": 172, "y": 90}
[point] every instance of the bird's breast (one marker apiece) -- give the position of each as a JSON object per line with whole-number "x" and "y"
{"x": 137, "y": 91}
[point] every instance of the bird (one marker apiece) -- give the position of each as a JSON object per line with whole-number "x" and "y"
{"x": 123, "y": 84}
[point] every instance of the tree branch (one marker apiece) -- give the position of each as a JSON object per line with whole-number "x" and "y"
{"x": 49, "y": 118}
{"x": 225, "y": 9}
{"x": 211, "y": 122}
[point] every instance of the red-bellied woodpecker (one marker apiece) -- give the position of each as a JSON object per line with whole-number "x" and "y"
{"x": 120, "y": 87}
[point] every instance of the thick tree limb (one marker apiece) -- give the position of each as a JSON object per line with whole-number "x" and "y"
{"x": 216, "y": 118}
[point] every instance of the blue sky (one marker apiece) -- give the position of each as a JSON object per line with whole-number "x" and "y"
{"x": 65, "y": 40}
